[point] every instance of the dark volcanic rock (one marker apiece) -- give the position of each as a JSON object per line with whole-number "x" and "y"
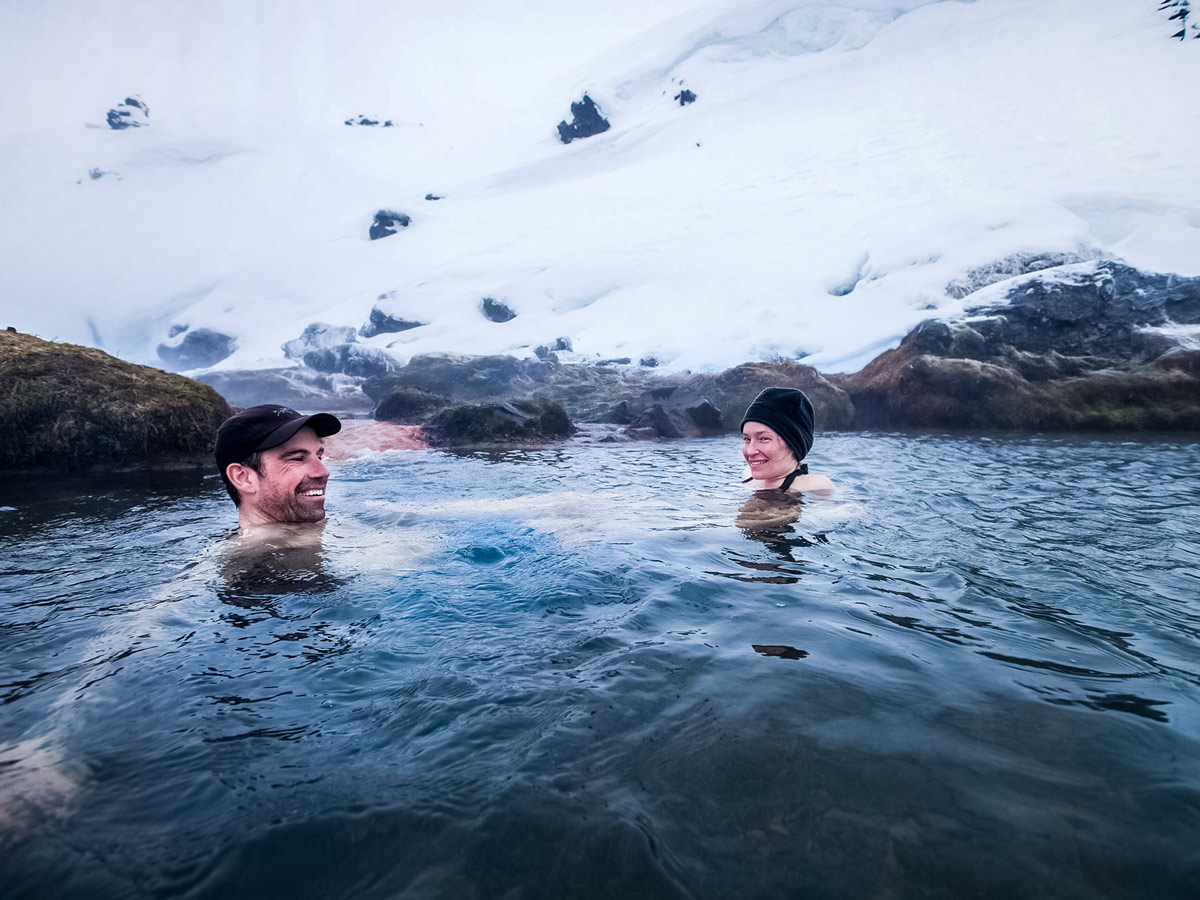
{"x": 351, "y": 359}
{"x": 199, "y": 349}
{"x": 587, "y": 121}
{"x": 466, "y": 378}
{"x": 318, "y": 336}
{"x": 297, "y": 387}
{"x": 496, "y": 311}
{"x": 501, "y": 423}
{"x": 685, "y": 97}
{"x": 408, "y": 405}
{"x": 381, "y": 322}
{"x": 1011, "y": 267}
{"x": 1086, "y": 346}
{"x": 714, "y": 404}
{"x": 65, "y": 408}
{"x": 133, "y": 113}
{"x": 388, "y": 223}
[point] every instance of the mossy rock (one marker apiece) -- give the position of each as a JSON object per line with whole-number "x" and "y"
{"x": 67, "y": 408}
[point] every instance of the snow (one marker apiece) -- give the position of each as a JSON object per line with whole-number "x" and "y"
{"x": 844, "y": 161}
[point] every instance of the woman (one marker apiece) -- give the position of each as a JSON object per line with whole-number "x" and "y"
{"x": 777, "y": 433}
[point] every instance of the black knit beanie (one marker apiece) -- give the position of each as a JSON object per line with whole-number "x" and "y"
{"x": 788, "y": 413}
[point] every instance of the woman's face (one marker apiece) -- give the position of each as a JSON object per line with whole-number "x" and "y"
{"x": 767, "y": 455}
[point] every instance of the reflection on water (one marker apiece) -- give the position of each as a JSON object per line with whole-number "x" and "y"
{"x": 275, "y": 562}
{"x": 558, "y": 674}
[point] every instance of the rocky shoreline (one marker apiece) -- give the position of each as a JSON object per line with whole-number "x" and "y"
{"x": 1077, "y": 346}
{"x": 1058, "y": 346}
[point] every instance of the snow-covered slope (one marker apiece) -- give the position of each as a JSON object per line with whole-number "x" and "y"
{"x": 843, "y": 162}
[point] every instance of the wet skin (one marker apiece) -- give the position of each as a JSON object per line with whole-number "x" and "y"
{"x": 291, "y": 487}
{"x": 769, "y": 458}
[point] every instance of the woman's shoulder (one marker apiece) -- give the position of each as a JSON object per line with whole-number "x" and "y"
{"x": 811, "y": 483}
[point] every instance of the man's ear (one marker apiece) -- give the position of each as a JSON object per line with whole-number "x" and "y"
{"x": 244, "y": 478}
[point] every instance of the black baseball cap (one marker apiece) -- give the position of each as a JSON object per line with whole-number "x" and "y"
{"x": 264, "y": 427}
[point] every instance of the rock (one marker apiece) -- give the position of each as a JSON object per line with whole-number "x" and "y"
{"x": 365, "y": 120}
{"x": 551, "y": 351}
{"x": 496, "y": 311}
{"x": 1013, "y": 266}
{"x": 298, "y": 387}
{"x": 66, "y": 408}
{"x": 502, "y": 423}
{"x": 408, "y": 405}
{"x": 1086, "y": 346}
{"x": 702, "y": 405}
{"x": 685, "y": 97}
{"x": 387, "y": 223}
{"x": 648, "y": 362}
{"x": 198, "y": 349}
{"x": 133, "y": 113}
{"x": 318, "y": 336}
{"x": 381, "y": 322}
{"x": 466, "y": 378}
{"x": 434, "y": 197}
{"x": 587, "y": 121}
{"x": 351, "y": 359}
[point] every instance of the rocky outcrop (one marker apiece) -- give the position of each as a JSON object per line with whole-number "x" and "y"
{"x": 333, "y": 349}
{"x": 1090, "y": 346}
{"x": 383, "y": 322}
{"x": 67, "y": 408}
{"x": 409, "y": 405}
{"x": 300, "y": 388}
{"x": 496, "y": 310}
{"x": 133, "y": 113}
{"x": 1014, "y": 265}
{"x": 586, "y": 121}
{"x": 500, "y": 423}
{"x": 351, "y": 359}
{"x": 684, "y": 97}
{"x": 466, "y": 378}
{"x": 387, "y": 222}
{"x": 651, "y": 406}
{"x": 197, "y": 349}
{"x": 367, "y": 120}
{"x": 318, "y": 336}
{"x": 714, "y": 404}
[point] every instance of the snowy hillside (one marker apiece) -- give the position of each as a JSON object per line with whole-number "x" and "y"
{"x": 843, "y": 162}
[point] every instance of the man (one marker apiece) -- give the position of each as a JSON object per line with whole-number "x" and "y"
{"x": 271, "y": 460}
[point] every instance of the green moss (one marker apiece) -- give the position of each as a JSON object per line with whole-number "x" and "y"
{"x": 66, "y": 407}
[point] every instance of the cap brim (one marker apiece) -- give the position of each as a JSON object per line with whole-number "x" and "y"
{"x": 323, "y": 424}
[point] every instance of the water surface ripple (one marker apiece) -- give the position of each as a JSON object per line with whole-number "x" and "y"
{"x": 606, "y": 672}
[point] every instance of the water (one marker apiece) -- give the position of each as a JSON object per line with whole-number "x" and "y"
{"x": 533, "y": 675}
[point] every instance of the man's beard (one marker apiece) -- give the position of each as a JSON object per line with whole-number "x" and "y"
{"x": 290, "y": 507}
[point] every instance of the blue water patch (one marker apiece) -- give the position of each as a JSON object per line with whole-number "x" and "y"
{"x": 610, "y": 672}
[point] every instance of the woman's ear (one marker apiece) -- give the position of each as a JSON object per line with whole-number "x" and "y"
{"x": 244, "y": 478}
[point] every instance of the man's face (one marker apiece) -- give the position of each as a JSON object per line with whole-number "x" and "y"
{"x": 291, "y": 487}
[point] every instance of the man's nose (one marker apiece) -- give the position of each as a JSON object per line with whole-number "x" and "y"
{"x": 317, "y": 469}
